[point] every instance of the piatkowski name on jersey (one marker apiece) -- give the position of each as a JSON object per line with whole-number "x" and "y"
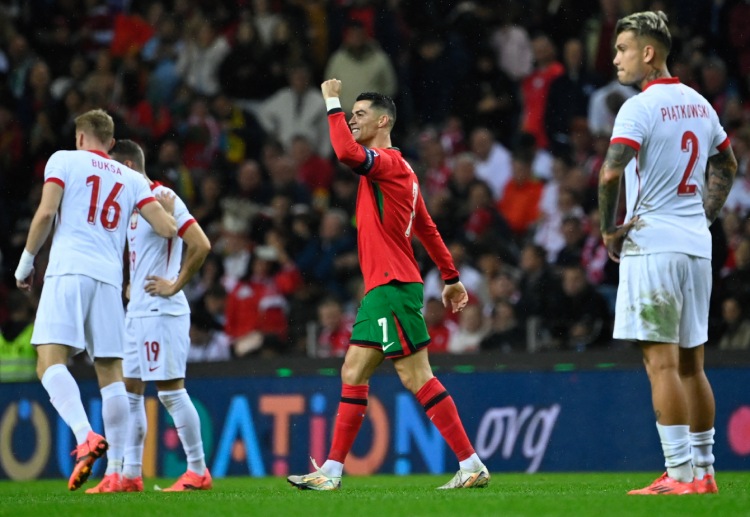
{"x": 674, "y": 131}
{"x": 152, "y": 255}
{"x": 90, "y": 226}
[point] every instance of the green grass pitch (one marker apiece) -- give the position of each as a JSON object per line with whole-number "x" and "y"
{"x": 580, "y": 495}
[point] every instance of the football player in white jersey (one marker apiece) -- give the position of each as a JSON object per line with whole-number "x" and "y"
{"x": 158, "y": 327}
{"x": 662, "y": 141}
{"x": 87, "y": 197}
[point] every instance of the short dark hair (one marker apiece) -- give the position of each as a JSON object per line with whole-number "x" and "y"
{"x": 380, "y": 102}
{"x": 129, "y": 150}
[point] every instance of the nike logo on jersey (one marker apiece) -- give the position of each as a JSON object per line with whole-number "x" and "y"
{"x": 150, "y": 369}
{"x": 386, "y": 347}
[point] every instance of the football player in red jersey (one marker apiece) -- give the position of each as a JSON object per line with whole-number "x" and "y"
{"x": 389, "y": 324}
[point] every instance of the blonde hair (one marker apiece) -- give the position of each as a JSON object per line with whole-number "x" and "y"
{"x": 97, "y": 123}
{"x": 651, "y": 24}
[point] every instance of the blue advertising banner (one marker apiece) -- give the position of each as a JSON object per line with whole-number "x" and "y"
{"x": 518, "y": 422}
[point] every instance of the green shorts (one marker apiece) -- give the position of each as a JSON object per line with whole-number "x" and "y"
{"x": 390, "y": 319}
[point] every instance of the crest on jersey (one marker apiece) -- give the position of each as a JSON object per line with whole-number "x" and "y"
{"x": 134, "y": 220}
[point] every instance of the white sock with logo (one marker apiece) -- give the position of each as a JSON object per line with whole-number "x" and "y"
{"x": 66, "y": 399}
{"x": 471, "y": 464}
{"x": 188, "y": 426}
{"x": 133, "y": 464}
{"x": 115, "y": 412}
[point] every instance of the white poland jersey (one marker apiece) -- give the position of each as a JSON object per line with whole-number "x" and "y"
{"x": 149, "y": 254}
{"x": 674, "y": 131}
{"x": 98, "y": 195}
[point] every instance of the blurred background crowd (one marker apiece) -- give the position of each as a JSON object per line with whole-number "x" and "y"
{"x": 504, "y": 111}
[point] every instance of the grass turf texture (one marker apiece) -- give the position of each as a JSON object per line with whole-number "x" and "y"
{"x": 535, "y": 495}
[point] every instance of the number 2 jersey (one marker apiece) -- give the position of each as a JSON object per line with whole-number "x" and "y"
{"x": 674, "y": 130}
{"x": 390, "y": 209}
{"x": 152, "y": 255}
{"x": 98, "y": 195}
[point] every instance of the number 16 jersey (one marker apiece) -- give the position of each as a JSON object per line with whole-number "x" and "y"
{"x": 674, "y": 130}
{"x": 99, "y": 195}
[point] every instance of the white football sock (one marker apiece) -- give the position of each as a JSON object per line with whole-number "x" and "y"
{"x": 471, "y": 464}
{"x": 115, "y": 412}
{"x": 333, "y": 469}
{"x": 66, "y": 399}
{"x": 702, "y": 447}
{"x": 133, "y": 461}
{"x": 676, "y": 446}
{"x": 188, "y": 426}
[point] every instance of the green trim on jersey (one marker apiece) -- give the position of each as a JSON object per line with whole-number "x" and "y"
{"x": 378, "y": 200}
{"x": 390, "y": 319}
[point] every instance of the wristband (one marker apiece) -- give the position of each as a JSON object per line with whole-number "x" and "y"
{"x": 333, "y": 103}
{"x": 25, "y": 266}
{"x": 452, "y": 281}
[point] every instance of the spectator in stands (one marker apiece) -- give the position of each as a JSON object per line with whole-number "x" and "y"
{"x": 519, "y": 202}
{"x": 161, "y": 53}
{"x": 440, "y": 327}
{"x": 569, "y": 96}
{"x": 199, "y": 59}
{"x": 506, "y": 332}
{"x": 485, "y": 228}
{"x": 17, "y": 355}
{"x": 604, "y": 103}
{"x": 493, "y": 161}
{"x": 256, "y": 310}
{"x": 512, "y": 44}
{"x": 330, "y": 257}
{"x": 297, "y": 109}
{"x": 736, "y": 331}
{"x": 314, "y": 171}
{"x": 361, "y": 65}
{"x": 581, "y": 319}
{"x": 335, "y": 329}
{"x": 487, "y": 97}
{"x": 574, "y": 237}
{"x": 245, "y": 71}
{"x": 207, "y": 343}
{"x": 240, "y": 132}
{"x": 535, "y": 88}
{"x": 472, "y": 328}
{"x": 737, "y": 283}
{"x": 539, "y": 287}
{"x": 171, "y": 170}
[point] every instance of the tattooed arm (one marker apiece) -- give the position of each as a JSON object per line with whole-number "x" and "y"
{"x": 721, "y": 171}
{"x": 610, "y": 177}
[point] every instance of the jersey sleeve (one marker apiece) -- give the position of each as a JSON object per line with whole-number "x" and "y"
{"x": 631, "y": 124}
{"x": 55, "y": 170}
{"x": 182, "y": 216}
{"x": 143, "y": 195}
{"x": 362, "y": 160}
{"x": 427, "y": 233}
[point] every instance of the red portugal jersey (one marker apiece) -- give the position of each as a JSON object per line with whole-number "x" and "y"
{"x": 390, "y": 210}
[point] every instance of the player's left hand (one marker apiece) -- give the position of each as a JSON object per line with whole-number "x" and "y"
{"x": 331, "y": 88}
{"x": 26, "y": 283}
{"x": 614, "y": 240}
{"x": 455, "y": 296}
{"x": 157, "y": 286}
{"x": 167, "y": 201}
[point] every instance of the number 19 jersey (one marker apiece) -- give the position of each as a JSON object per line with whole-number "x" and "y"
{"x": 98, "y": 195}
{"x": 153, "y": 255}
{"x": 674, "y": 131}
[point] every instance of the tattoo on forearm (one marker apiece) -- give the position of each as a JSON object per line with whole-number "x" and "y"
{"x": 722, "y": 169}
{"x": 618, "y": 156}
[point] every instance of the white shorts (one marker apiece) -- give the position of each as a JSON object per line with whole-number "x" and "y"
{"x": 663, "y": 298}
{"x": 156, "y": 347}
{"x": 80, "y": 312}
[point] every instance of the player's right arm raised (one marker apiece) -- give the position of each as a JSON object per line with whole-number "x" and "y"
{"x": 721, "y": 172}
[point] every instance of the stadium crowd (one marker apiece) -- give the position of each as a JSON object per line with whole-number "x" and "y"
{"x": 505, "y": 109}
